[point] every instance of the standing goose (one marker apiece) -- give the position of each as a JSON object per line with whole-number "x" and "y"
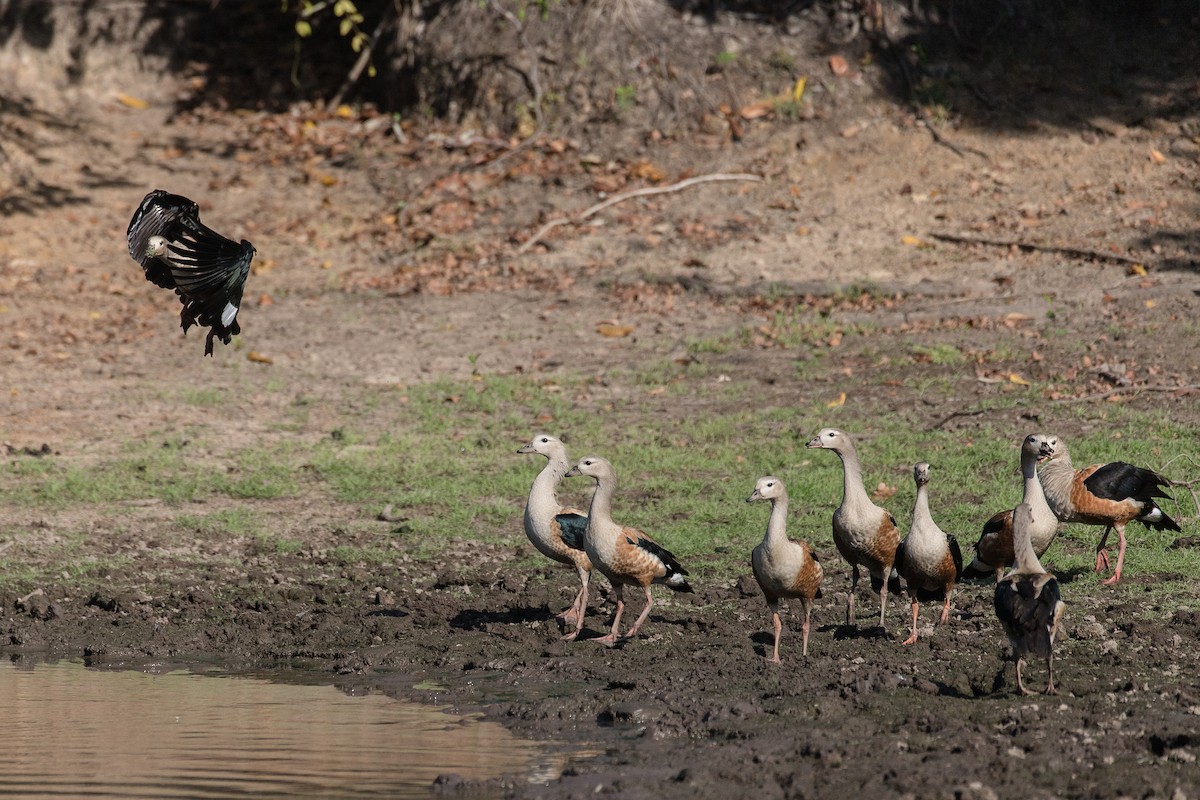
{"x": 557, "y": 532}
{"x": 928, "y": 559}
{"x": 1111, "y": 495}
{"x": 626, "y": 556}
{"x": 1028, "y": 604}
{"x": 864, "y": 533}
{"x": 784, "y": 568}
{"x": 994, "y": 550}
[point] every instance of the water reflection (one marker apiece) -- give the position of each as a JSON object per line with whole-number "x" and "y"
{"x": 73, "y": 731}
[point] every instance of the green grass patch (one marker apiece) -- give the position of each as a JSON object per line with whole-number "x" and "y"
{"x": 686, "y": 457}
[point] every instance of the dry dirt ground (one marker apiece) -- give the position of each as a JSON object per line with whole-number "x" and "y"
{"x": 352, "y": 290}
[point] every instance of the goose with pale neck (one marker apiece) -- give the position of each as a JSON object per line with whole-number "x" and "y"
{"x": 1112, "y": 495}
{"x": 784, "y": 568}
{"x": 994, "y": 550}
{"x": 626, "y": 556}
{"x": 557, "y": 532}
{"x": 928, "y": 559}
{"x": 1028, "y": 603}
{"x": 865, "y": 534}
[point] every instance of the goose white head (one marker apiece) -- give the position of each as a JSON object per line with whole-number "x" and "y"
{"x": 920, "y": 474}
{"x": 768, "y": 488}
{"x": 156, "y": 247}
{"x": 545, "y": 445}
{"x": 1049, "y": 447}
{"x": 1040, "y": 446}
{"x": 593, "y": 467}
{"x": 830, "y": 439}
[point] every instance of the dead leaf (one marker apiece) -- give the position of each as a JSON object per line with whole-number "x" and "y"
{"x": 1151, "y": 303}
{"x": 614, "y": 331}
{"x": 1017, "y": 379}
{"x": 264, "y": 299}
{"x": 757, "y": 110}
{"x": 839, "y": 402}
{"x": 798, "y": 89}
{"x": 657, "y": 390}
{"x": 647, "y": 171}
{"x": 344, "y": 111}
{"x": 131, "y": 102}
{"x": 914, "y": 241}
{"x": 1157, "y": 158}
{"x": 259, "y": 358}
{"x": 882, "y": 492}
{"x": 1136, "y": 269}
{"x": 838, "y": 66}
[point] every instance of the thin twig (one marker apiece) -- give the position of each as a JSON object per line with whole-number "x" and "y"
{"x": 364, "y": 58}
{"x": 910, "y": 83}
{"x": 643, "y": 192}
{"x": 531, "y": 76}
{"x": 959, "y": 150}
{"x": 1185, "y": 484}
{"x": 1070, "y": 252}
{"x": 975, "y": 413}
{"x": 1123, "y": 389}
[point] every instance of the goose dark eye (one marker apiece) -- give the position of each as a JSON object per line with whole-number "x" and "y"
{"x": 545, "y": 440}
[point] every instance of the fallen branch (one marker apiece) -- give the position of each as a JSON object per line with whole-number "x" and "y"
{"x": 1121, "y": 389}
{"x": 1189, "y": 484}
{"x": 531, "y": 77}
{"x": 958, "y": 150}
{"x": 364, "y": 58}
{"x": 643, "y": 192}
{"x": 1070, "y": 252}
{"x": 974, "y": 413}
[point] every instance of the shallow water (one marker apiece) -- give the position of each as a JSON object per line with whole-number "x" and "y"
{"x": 72, "y": 731}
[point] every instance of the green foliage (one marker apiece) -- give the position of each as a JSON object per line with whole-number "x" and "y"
{"x": 345, "y": 12}
{"x": 625, "y": 96}
{"x": 446, "y": 459}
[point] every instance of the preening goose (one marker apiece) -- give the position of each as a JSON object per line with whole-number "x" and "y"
{"x": 928, "y": 559}
{"x": 865, "y": 534}
{"x": 557, "y": 532}
{"x": 994, "y": 550}
{"x": 1111, "y": 495}
{"x": 626, "y": 556}
{"x": 1028, "y": 604}
{"x": 784, "y": 568}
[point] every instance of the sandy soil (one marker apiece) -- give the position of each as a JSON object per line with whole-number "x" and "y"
{"x": 351, "y": 291}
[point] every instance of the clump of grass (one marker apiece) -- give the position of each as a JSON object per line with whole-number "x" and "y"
{"x": 686, "y": 458}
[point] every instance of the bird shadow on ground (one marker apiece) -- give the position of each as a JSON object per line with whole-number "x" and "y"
{"x": 387, "y": 612}
{"x": 842, "y": 631}
{"x": 763, "y": 638}
{"x": 475, "y": 620}
{"x": 1069, "y": 575}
